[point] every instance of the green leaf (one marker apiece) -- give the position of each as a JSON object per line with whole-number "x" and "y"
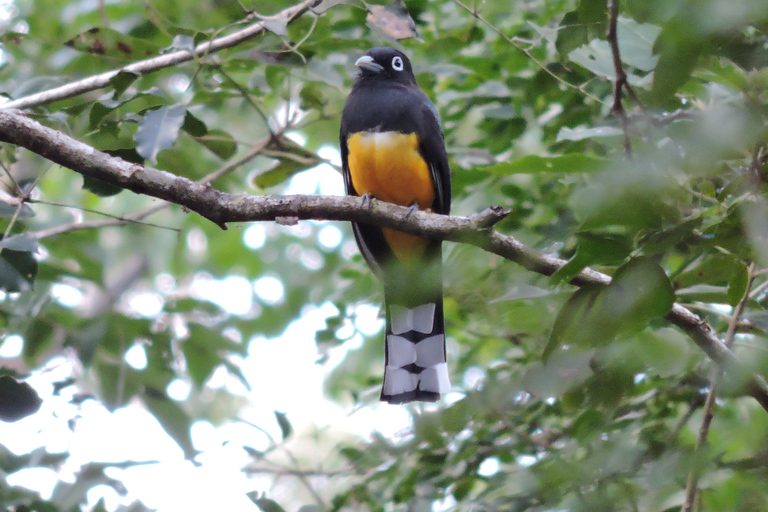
{"x": 463, "y": 487}
{"x": 570, "y": 35}
{"x": 582, "y": 133}
{"x": 665, "y": 351}
{"x": 312, "y": 97}
{"x": 639, "y": 292}
{"x": 99, "y": 187}
{"x": 37, "y": 339}
{"x": 738, "y": 285}
{"x": 24, "y": 242}
{"x": 194, "y": 126}
{"x": 18, "y": 270}
{"x": 158, "y": 130}
{"x": 636, "y": 42}
{"x": 594, "y": 249}
{"x": 636, "y": 46}
{"x": 121, "y": 81}
{"x": 219, "y": 142}
{"x": 594, "y": 12}
{"x": 704, "y": 293}
{"x": 267, "y": 505}
{"x": 286, "y": 429}
{"x": 17, "y": 399}
{"x": 172, "y": 418}
{"x": 283, "y": 171}
{"x": 679, "y": 48}
{"x": 587, "y": 424}
{"x": 203, "y": 351}
{"x": 108, "y": 42}
{"x": 276, "y": 77}
{"x": 533, "y": 164}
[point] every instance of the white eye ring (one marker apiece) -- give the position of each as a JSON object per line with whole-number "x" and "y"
{"x": 397, "y": 64}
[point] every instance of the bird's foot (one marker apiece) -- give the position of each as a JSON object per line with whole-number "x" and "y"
{"x": 411, "y": 209}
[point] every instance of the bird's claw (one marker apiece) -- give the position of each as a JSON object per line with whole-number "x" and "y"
{"x": 411, "y": 209}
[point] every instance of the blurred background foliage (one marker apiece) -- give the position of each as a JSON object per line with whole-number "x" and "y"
{"x": 564, "y": 400}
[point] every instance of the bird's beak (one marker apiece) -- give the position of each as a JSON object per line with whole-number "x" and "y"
{"x": 367, "y": 63}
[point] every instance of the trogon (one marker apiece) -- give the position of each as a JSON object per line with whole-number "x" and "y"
{"x": 392, "y": 149}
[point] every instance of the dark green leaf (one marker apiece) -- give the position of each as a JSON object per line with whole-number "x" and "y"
{"x": 219, "y": 142}
{"x": 99, "y": 187}
{"x": 158, "y": 130}
{"x": 121, "y": 81}
{"x": 17, "y": 399}
{"x": 18, "y": 270}
{"x": 738, "y": 285}
{"x": 173, "y": 419}
{"x": 194, "y": 126}
{"x": 285, "y": 426}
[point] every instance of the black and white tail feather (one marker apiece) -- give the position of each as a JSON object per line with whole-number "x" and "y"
{"x": 416, "y": 367}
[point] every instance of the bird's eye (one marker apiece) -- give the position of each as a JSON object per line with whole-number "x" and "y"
{"x": 397, "y": 64}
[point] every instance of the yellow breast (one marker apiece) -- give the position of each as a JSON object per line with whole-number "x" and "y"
{"x": 389, "y": 167}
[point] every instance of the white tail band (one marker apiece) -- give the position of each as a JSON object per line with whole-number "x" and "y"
{"x": 420, "y": 319}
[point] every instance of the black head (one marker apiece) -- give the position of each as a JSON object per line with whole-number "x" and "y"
{"x": 386, "y": 63}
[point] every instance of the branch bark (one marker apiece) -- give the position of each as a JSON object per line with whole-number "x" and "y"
{"x": 222, "y": 208}
{"x": 147, "y": 66}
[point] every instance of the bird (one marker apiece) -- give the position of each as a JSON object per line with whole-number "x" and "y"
{"x": 393, "y": 149}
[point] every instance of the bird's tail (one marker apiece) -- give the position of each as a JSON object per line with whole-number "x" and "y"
{"x": 416, "y": 367}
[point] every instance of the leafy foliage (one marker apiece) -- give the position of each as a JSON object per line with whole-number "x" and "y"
{"x": 579, "y": 399}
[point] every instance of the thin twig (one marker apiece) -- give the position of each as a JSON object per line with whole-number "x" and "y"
{"x": 246, "y": 95}
{"x": 231, "y": 166}
{"x": 97, "y": 224}
{"x": 296, "y": 472}
{"x": 621, "y": 76}
{"x": 117, "y": 218}
{"x": 691, "y": 487}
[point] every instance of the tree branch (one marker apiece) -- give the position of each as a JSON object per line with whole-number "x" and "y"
{"x": 221, "y": 208}
{"x": 147, "y": 66}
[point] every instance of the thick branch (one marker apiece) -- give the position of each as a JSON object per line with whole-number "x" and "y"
{"x": 147, "y": 66}
{"x": 221, "y": 208}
